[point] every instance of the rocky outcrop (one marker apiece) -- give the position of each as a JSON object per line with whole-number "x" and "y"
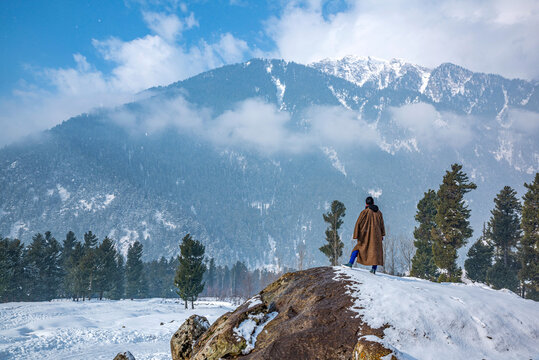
{"x": 181, "y": 344}
{"x": 124, "y": 356}
{"x": 302, "y": 315}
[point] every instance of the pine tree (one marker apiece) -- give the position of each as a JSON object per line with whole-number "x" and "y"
{"x": 239, "y": 279}
{"x": 528, "y": 251}
{"x": 479, "y": 259}
{"x": 11, "y": 269}
{"x": 134, "y": 272}
{"x": 88, "y": 264}
{"x": 52, "y": 272}
{"x": 334, "y": 246}
{"x": 452, "y": 225}
{"x": 105, "y": 267}
{"x": 423, "y": 265}
{"x": 504, "y": 232}
{"x": 90, "y": 240}
{"x": 74, "y": 272}
{"x": 67, "y": 251}
{"x": 118, "y": 289}
{"x": 211, "y": 278}
{"x": 34, "y": 263}
{"x": 190, "y": 270}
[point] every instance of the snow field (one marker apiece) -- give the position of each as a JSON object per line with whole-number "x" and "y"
{"x": 445, "y": 321}
{"x": 96, "y": 329}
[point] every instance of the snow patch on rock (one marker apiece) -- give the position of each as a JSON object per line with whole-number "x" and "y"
{"x": 250, "y": 328}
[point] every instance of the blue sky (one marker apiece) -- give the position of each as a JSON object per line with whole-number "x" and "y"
{"x": 40, "y": 34}
{"x": 61, "y": 58}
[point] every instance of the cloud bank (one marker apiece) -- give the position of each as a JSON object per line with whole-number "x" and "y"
{"x": 159, "y": 58}
{"x": 495, "y": 36}
{"x": 253, "y": 124}
{"x": 431, "y": 128}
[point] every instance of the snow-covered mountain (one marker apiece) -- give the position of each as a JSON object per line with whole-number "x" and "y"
{"x": 248, "y": 156}
{"x": 455, "y": 86}
{"x": 376, "y": 73}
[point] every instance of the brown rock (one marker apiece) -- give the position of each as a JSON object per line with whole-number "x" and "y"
{"x": 124, "y": 356}
{"x": 182, "y": 341}
{"x": 302, "y": 315}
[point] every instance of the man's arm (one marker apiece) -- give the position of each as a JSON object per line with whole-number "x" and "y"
{"x": 359, "y": 223}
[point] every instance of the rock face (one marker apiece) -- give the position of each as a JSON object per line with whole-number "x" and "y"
{"x": 303, "y": 315}
{"x": 124, "y": 356}
{"x": 182, "y": 341}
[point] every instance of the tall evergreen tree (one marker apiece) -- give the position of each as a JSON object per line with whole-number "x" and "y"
{"x": 504, "y": 232}
{"x": 239, "y": 279}
{"x": 11, "y": 269}
{"x": 334, "y": 246}
{"x": 134, "y": 272}
{"x": 191, "y": 268}
{"x": 479, "y": 259}
{"x": 211, "y": 278}
{"x": 67, "y": 251}
{"x": 105, "y": 267}
{"x": 452, "y": 225}
{"x": 34, "y": 262}
{"x": 75, "y": 278}
{"x": 52, "y": 272}
{"x": 88, "y": 264}
{"x": 528, "y": 251}
{"x": 118, "y": 290}
{"x": 423, "y": 265}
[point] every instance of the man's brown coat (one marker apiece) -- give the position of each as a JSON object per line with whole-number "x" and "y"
{"x": 369, "y": 231}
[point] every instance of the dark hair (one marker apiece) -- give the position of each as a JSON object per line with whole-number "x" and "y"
{"x": 369, "y": 200}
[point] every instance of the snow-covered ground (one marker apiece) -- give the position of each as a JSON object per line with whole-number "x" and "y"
{"x": 445, "y": 321}
{"x": 96, "y": 329}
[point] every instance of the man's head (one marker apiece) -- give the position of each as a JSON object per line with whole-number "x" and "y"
{"x": 369, "y": 200}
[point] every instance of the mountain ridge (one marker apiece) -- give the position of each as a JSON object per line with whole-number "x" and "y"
{"x": 156, "y": 168}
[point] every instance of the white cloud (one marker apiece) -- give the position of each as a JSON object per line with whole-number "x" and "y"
{"x": 522, "y": 121}
{"x": 138, "y": 64}
{"x": 431, "y": 128}
{"x": 253, "y": 124}
{"x": 487, "y": 35}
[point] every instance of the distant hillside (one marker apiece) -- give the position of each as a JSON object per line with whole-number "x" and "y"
{"x": 248, "y": 156}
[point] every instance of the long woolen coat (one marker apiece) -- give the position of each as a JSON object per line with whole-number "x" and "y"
{"x": 369, "y": 231}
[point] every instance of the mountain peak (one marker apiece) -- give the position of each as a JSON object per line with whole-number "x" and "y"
{"x": 370, "y": 71}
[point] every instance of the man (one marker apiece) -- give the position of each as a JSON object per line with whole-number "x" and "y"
{"x": 369, "y": 232}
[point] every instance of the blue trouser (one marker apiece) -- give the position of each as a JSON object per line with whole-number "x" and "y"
{"x": 353, "y": 258}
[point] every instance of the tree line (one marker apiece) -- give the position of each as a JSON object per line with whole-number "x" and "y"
{"x": 48, "y": 269}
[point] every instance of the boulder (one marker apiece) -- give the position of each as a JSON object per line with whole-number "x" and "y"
{"x": 124, "y": 356}
{"x": 186, "y": 336}
{"x": 303, "y": 315}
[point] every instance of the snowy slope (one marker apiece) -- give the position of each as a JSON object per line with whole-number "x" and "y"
{"x": 374, "y": 72}
{"x": 95, "y": 329}
{"x": 440, "y": 321}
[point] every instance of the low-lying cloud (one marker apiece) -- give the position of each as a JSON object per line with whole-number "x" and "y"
{"x": 253, "y": 124}
{"x": 432, "y": 128}
{"x": 158, "y": 58}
